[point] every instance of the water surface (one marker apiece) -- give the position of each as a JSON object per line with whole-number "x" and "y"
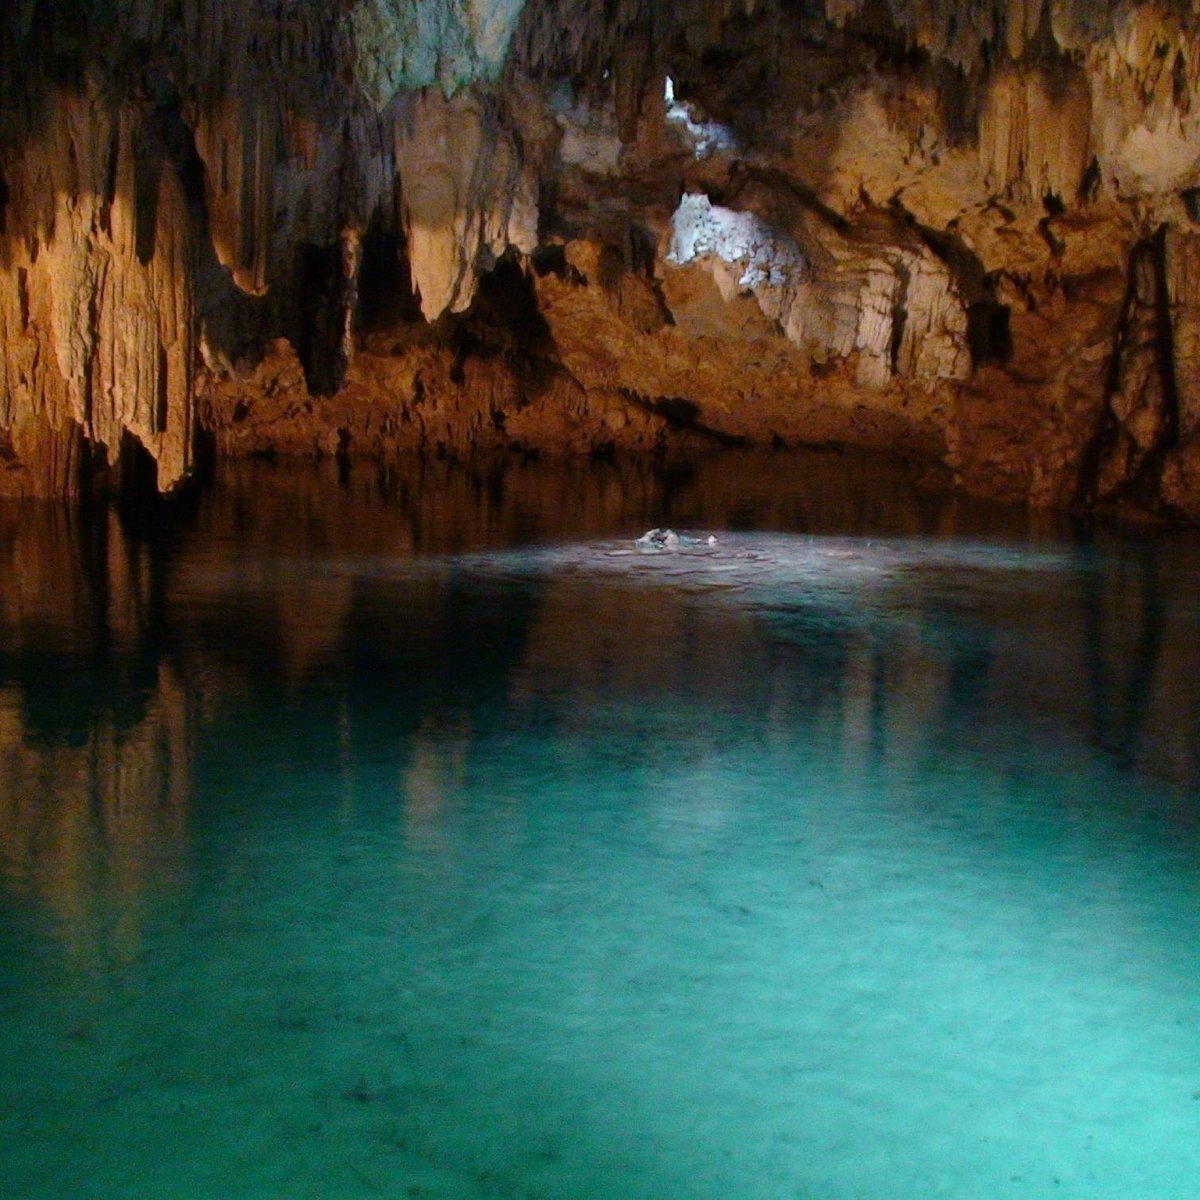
{"x": 419, "y": 835}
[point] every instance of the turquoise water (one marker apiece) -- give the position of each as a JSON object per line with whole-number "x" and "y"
{"x": 422, "y": 837}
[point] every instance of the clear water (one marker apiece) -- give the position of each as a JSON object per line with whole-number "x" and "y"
{"x": 420, "y": 837}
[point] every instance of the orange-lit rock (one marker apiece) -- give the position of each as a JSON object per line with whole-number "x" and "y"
{"x": 964, "y": 230}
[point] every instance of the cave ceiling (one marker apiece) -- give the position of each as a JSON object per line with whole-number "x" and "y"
{"x": 960, "y": 230}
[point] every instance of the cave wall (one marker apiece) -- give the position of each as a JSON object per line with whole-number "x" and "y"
{"x": 965, "y": 231}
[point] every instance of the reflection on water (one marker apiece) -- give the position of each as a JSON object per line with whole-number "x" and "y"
{"x": 117, "y": 644}
{"x": 98, "y": 819}
{"x": 501, "y": 857}
{"x": 95, "y": 726}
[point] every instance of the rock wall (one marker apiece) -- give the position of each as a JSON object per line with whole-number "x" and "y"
{"x": 962, "y": 230}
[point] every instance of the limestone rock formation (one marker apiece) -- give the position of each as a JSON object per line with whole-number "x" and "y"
{"x": 466, "y": 196}
{"x": 964, "y": 230}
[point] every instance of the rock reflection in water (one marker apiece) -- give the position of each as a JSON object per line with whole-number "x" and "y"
{"x": 120, "y": 648}
{"x": 96, "y": 725}
{"x": 423, "y": 817}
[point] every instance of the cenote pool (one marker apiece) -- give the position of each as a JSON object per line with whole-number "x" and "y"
{"x": 417, "y": 834}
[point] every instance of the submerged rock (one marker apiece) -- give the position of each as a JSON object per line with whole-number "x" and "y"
{"x": 668, "y": 539}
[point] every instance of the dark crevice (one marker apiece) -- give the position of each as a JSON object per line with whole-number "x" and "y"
{"x": 504, "y": 322}
{"x": 642, "y": 252}
{"x": 681, "y": 415}
{"x": 1053, "y": 204}
{"x": 180, "y": 145}
{"x": 899, "y": 316}
{"x": 1054, "y": 208}
{"x": 161, "y": 399}
{"x": 136, "y": 471}
{"x": 1047, "y": 234}
{"x": 110, "y": 183}
{"x": 23, "y": 295}
{"x": 1103, "y": 443}
{"x": 1146, "y": 482}
{"x": 321, "y": 351}
{"x": 779, "y": 183}
{"x": 1191, "y": 203}
{"x": 504, "y": 317}
{"x": 1138, "y": 481}
{"x": 1180, "y": 92}
{"x": 610, "y": 269}
{"x": 551, "y": 259}
{"x": 989, "y": 335}
{"x": 162, "y": 137}
{"x": 148, "y": 155}
{"x": 385, "y": 294}
{"x": 1089, "y": 185}
{"x": 875, "y": 25}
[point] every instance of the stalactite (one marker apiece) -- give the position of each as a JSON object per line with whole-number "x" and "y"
{"x": 186, "y": 192}
{"x": 466, "y": 196}
{"x": 132, "y": 185}
{"x": 1035, "y": 131}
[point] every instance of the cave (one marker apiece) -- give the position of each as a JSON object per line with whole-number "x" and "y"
{"x": 909, "y": 235}
{"x": 599, "y": 598}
